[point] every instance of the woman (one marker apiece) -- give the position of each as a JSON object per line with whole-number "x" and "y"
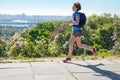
{"x": 76, "y": 33}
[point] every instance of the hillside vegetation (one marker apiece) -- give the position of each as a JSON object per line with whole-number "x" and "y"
{"x": 102, "y": 32}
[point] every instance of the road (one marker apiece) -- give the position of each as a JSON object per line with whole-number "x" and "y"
{"x": 57, "y": 70}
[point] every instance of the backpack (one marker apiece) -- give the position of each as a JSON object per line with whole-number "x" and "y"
{"x": 82, "y": 20}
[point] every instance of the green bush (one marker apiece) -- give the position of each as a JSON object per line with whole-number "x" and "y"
{"x": 36, "y": 42}
{"x": 2, "y": 48}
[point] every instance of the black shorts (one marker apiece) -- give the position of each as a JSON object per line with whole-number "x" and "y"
{"x": 77, "y": 33}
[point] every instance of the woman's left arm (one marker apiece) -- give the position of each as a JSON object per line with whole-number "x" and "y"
{"x": 75, "y": 22}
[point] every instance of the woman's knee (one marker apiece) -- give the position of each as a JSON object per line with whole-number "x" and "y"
{"x": 79, "y": 45}
{"x": 71, "y": 42}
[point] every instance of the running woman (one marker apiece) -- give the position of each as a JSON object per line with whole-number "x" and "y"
{"x": 76, "y": 33}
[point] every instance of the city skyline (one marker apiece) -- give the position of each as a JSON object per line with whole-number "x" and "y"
{"x": 55, "y": 7}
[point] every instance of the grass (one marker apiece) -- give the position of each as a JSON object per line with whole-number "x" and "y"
{"x": 101, "y": 55}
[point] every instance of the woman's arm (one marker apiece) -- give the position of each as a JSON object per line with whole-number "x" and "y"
{"x": 75, "y": 22}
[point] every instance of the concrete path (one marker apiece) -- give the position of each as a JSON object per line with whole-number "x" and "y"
{"x": 57, "y": 70}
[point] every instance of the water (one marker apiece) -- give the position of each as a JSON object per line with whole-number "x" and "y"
{"x": 17, "y": 23}
{"x": 9, "y": 28}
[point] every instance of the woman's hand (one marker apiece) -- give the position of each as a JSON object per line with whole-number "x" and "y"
{"x": 70, "y": 22}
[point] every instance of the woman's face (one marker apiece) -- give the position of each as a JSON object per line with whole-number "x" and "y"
{"x": 74, "y": 8}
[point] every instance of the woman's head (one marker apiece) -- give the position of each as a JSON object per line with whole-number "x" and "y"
{"x": 76, "y": 6}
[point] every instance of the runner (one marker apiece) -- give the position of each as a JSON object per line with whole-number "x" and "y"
{"x": 76, "y": 33}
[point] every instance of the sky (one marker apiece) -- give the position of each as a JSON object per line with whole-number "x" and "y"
{"x": 58, "y": 7}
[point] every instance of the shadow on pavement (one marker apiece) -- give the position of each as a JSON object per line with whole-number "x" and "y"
{"x": 106, "y": 73}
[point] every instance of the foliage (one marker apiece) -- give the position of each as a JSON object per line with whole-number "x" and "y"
{"x": 99, "y": 32}
{"x": 116, "y": 37}
{"x": 2, "y": 48}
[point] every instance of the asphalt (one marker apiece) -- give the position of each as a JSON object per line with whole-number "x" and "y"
{"x": 57, "y": 70}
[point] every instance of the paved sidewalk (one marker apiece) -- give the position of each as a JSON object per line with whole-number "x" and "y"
{"x": 57, "y": 70}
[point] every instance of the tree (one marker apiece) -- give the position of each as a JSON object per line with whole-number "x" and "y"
{"x": 2, "y": 48}
{"x": 116, "y": 35}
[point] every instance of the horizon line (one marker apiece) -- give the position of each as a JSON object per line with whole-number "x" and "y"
{"x": 56, "y": 15}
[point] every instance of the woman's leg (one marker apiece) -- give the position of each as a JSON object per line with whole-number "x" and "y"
{"x": 80, "y": 45}
{"x": 71, "y": 44}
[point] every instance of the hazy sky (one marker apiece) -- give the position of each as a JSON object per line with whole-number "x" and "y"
{"x": 58, "y": 7}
